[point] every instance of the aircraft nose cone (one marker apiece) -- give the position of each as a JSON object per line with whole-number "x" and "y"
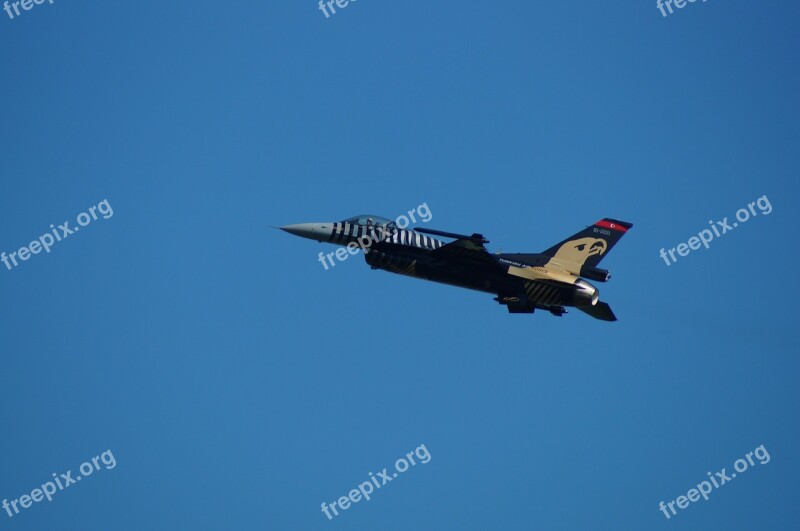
{"x": 299, "y": 229}
{"x": 313, "y": 231}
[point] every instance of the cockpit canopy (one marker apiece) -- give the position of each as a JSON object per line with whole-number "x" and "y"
{"x": 370, "y": 220}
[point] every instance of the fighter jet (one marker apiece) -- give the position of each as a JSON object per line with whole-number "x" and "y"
{"x": 552, "y": 280}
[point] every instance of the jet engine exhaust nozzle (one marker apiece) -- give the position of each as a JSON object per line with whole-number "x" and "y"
{"x": 586, "y": 294}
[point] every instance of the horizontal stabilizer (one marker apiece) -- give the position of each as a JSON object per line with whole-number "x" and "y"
{"x": 601, "y": 311}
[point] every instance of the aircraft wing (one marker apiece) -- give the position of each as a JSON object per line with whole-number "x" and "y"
{"x": 465, "y": 251}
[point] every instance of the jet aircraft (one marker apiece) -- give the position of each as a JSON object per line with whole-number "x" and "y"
{"x": 552, "y": 280}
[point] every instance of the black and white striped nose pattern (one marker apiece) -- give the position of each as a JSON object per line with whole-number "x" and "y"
{"x": 401, "y": 263}
{"x": 414, "y": 239}
{"x": 344, "y": 233}
{"x": 338, "y": 234}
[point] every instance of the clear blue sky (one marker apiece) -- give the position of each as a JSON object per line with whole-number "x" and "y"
{"x": 239, "y": 384}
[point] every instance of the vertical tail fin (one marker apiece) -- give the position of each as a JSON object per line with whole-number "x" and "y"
{"x": 589, "y": 246}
